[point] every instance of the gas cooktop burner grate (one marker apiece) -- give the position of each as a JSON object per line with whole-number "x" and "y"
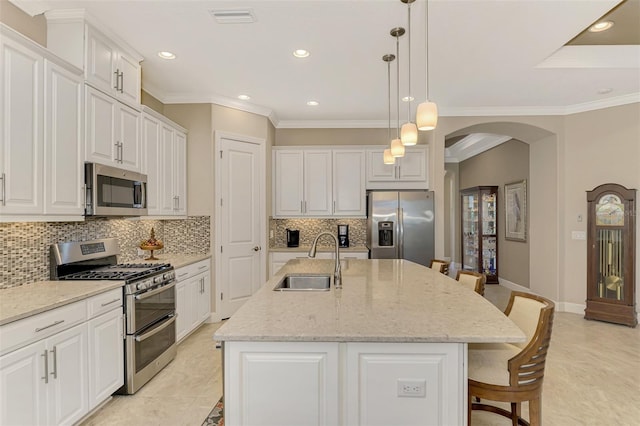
{"x": 125, "y": 271}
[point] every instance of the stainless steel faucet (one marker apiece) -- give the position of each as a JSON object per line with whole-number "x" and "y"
{"x": 337, "y": 274}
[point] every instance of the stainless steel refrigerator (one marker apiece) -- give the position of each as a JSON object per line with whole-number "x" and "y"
{"x": 400, "y": 225}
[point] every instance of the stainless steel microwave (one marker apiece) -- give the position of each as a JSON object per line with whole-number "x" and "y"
{"x": 111, "y": 191}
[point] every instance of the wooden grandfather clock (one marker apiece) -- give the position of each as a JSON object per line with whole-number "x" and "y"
{"x": 611, "y": 254}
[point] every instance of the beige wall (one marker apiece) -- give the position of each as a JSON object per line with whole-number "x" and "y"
{"x": 33, "y": 27}
{"x": 151, "y": 102}
{"x": 505, "y": 163}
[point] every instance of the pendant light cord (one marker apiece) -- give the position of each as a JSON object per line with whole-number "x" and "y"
{"x": 389, "y": 94}
{"x": 409, "y": 61}
{"x": 398, "y": 87}
{"x": 426, "y": 42}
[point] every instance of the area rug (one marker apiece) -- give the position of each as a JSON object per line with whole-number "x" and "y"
{"x": 215, "y": 417}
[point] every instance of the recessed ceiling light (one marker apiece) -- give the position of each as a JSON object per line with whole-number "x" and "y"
{"x": 601, "y": 26}
{"x": 407, "y": 99}
{"x": 604, "y": 91}
{"x": 244, "y": 97}
{"x": 300, "y": 53}
{"x": 166, "y": 55}
{"x": 312, "y": 103}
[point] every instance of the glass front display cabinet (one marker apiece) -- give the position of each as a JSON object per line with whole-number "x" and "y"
{"x": 480, "y": 231}
{"x": 611, "y": 254}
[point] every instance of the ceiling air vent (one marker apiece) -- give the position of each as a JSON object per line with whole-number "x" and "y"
{"x": 233, "y": 16}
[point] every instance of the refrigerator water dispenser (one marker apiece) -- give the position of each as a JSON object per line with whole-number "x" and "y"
{"x": 385, "y": 234}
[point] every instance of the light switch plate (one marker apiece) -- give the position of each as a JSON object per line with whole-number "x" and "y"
{"x": 578, "y": 235}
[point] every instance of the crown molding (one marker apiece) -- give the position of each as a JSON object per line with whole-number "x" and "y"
{"x": 333, "y": 124}
{"x": 631, "y": 98}
{"x": 472, "y": 145}
{"x": 29, "y": 7}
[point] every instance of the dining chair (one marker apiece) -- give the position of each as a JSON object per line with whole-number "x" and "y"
{"x": 473, "y": 280}
{"x": 513, "y": 372}
{"x": 441, "y": 266}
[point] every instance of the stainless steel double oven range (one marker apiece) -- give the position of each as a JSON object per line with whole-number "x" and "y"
{"x": 149, "y": 303}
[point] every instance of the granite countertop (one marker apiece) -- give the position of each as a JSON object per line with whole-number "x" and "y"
{"x": 394, "y": 301}
{"x": 353, "y": 249}
{"x": 176, "y": 260}
{"x": 31, "y": 299}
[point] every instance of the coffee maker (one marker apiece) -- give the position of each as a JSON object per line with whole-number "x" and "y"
{"x": 293, "y": 237}
{"x": 343, "y": 235}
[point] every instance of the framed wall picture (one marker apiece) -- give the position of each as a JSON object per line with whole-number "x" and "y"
{"x": 515, "y": 205}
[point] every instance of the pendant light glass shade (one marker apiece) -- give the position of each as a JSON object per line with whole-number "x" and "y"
{"x": 387, "y": 157}
{"x": 427, "y": 116}
{"x": 409, "y": 134}
{"x": 397, "y": 148}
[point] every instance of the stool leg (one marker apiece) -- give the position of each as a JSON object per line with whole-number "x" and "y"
{"x": 535, "y": 412}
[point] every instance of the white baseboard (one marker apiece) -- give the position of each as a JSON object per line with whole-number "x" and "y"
{"x": 574, "y": 308}
{"x": 213, "y": 318}
{"x": 513, "y": 286}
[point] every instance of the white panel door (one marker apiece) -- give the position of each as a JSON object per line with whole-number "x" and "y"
{"x": 168, "y": 201}
{"x": 129, "y": 137}
{"x": 282, "y": 384}
{"x": 106, "y": 356}
{"x": 63, "y": 144}
{"x": 203, "y": 303}
{"x": 152, "y": 162}
{"x": 100, "y": 127}
{"x": 23, "y": 397}
{"x": 21, "y": 146}
{"x": 317, "y": 183}
{"x": 241, "y": 232}
{"x": 377, "y": 171}
{"x": 130, "y": 80}
{"x": 349, "y": 192}
{"x": 68, "y": 387}
{"x": 101, "y": 60}
{"x": 413, "y": 166}
{"x": 288, "y": 187}
{"x": 180, "y": 172}
{"x": 183, "y": 309}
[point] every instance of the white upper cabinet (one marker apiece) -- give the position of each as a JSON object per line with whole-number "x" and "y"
{"x": 109, "y": 64}
{"x": 41, "y": 157}
{"x": 112, "y": 131}
{"x": 164, "y": 147}
{"x": 349, "y": 183}
{"x": 409, "y": 172}
{"x": 318, "y": 182}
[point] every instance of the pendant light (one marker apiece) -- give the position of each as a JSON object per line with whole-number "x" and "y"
{"x": 397, "y": 148}
{"x": 427, "y": 113}
{"x": 409, "y": 131}
{"x": 387, "y": 157}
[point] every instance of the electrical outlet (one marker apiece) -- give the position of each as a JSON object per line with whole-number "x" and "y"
{"x": 271, "y": 233}
{"x": 413, "y": 388}
{"x": 578, "y": 235}
{"x": 141, "y": 252}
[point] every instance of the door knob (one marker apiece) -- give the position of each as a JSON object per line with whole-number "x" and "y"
{"x": 256, "y": 248}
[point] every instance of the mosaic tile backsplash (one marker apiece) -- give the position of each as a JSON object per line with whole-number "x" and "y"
{"x": 309, "y": 228}
{"x": 24, "y": 246}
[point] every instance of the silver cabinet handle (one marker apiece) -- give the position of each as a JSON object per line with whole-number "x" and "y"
{"x": 113, "y": 301}
{"x": 140, "y": 338}
{"x": 45, "y": 355}
{"x": 201, "y": 285}
{"x": 152, "y": 293}
{"x": 49, "y": 326}
{"x": 183, "y": 274}
{"x": 117, "y": 73}
{"x": 117, "y": 144}
{"x": 121, "y": 152}
{"x": 334, "y": 206}
{"x": 121, "y": 78}
{"x": 301, "y": 206}
{"x": 4, "y": 194}
{"x": 55, "y": 362}
{"x": 202, "y": 267}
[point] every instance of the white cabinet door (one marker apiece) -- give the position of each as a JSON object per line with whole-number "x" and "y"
{"x": 152, "y": 162}
{"x": 106, "y": 356}
{"x": 100, "y": 127}
{"x": 21, "y": 144}
{"x": 129, "y": 85}
{"x": 288, "y": 383}
{"x": 63, "y": 144}
{"x": 413, "y": 166}
{"x": 317, "y": 183}
{"x": 409, "y": 172}
{"x": 349, "y": 192}
{"x": 167, "y": 206}
{"x": 100, "y": 61}
{"x": 128, "y": 136}
{"x": 182, "y": 309}
{"x": 180, "y": 173}
{"x": 23, "y": 392}
{"x": 68, "y": 386}
{"x": 376, "y": 169}
{"x": 203, "y": 303}
{"x": 288, "y": 183}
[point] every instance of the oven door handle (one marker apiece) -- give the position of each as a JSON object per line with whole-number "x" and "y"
{"x": 152, "y": 293}
{"x": 171, "y": 320}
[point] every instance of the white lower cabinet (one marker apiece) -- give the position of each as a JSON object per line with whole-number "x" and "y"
{"x": 193, "y": 297}
{"x": 106, "y": 356}
{"x": 46, "y": 382}
{"x": 286, "y": 383}
{"x": 330, "y": 383}
{"x": 57, "y": 365}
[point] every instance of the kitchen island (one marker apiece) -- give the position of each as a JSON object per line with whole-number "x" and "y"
{"x": 388, "y": 348}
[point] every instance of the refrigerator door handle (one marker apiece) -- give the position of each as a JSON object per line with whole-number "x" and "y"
{"x": 400, "y": 233}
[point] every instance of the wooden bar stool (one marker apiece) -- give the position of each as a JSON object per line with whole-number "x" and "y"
{"x": 473, "y": 280}
{"x": 513, "y": 373}
{"x": 441, "y": 266}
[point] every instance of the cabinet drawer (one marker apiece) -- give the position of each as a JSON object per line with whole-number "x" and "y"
{"x": 20, "y": 333}
{"x": 190, "y": 270}
{"x": 97, "y": 305}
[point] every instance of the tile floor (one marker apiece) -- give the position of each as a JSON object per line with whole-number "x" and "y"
{"x": 592, "y": 378}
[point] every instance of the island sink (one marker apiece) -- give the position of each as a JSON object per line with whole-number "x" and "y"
{"x": 294, "y": 282}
